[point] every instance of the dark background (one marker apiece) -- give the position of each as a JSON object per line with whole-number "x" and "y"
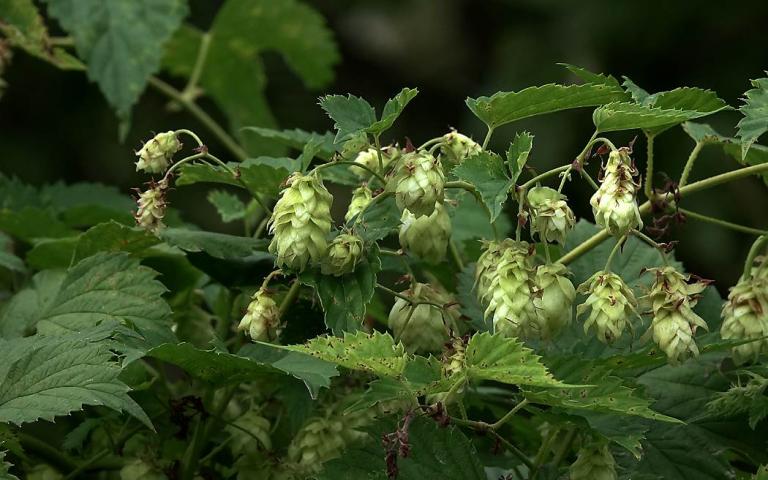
{"x": 56, "y": 125}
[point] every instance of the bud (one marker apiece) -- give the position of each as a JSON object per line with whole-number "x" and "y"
{"x": 553, "y": 299}
{"x": 614, "y": 204}
{"x": 745, "y": 317}
{"x": 370, "y": 159}
{"x": 457, "y": 147}
{"x": 423, "y": 327}
{"x": 510, "y": 292}
{"x": 419, "y": 183}
{"x": 551, "y": 217}
{"x": 301, "y": 222}
{"x": 361, "y": 197}
{"x": 426, "y": 237}
{"x": 612, "y": 302}
{"x": 151, "y": 206}
{"x": 343, "y": 254}
{"x": 156, "y": 154}
{"x": 261, "y": 321}
{"x": 594, "y": 462}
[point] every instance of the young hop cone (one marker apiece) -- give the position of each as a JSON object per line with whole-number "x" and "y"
{"x": 261, "y": 321}
{"x": 324, "y": 438}
{"x": 343, "y": 254}
{"x": 423, "y": 328}
{"x": 151, "y": 206}
{"x": 370, "y": 158}
{"x": 594, "y": 462}
{"x": 426, "y": 237}
{"x": 614, "y": 204}
{"x": 510, "y": 292}
{"x": 745, "y": 317}
{"x": 156, "y": 154}
{"x": 612, "y": 302}
{"x": 418, "y": 183}
{"x": 361, "y": 197}
{"x": 551, "y": 217}
{"x": 485, "y": 270}
{"x": 553, "y": 300}
{"x": 250, "y": 432}
{"x": 457, "y": 147}
{"x": 301, "y": 221}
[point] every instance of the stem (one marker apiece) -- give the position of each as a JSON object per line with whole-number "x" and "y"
{"x": 407, "y": 298}
{"x": 182, "y": 162}
{"x": 689, "y": 164}
{"x": 211, "y": 124}
{"x": 649, "y": 167}
{"x": 461, "y": 184}
{"x": 546, "y": 253}
{"x": 564, "y": 448}
{"x": 753, "y": 251}
{"x": 261, "y": 227}
{"x": 430, "y": 142}
{"x": 723, "y": 223}
{"x": 580, "y": 157}
{"x": 541, "y": 455}
{"x": 50, "y": 454}
{"x": 269, "y": 277}
{"x": 290, "y": 297}
{"x": 586, "y": 176}
{"x": 652, "y": 243}
{"x": 613, "y": 253}
{"x": 197, "y": 70}
{"x": 488, "y": 137}
{"x": 455, "y": 255}
{"x": 496, "y": 425}
{"x": 189, "y": 461}
{"x": 521, "y": 204}
{"x": 566, "y": 174}
{"x": 544, "y": 175}
{"x": 377, "y": 141}
{"x": 353, "y": 164}
{"x": 191, "y": 134}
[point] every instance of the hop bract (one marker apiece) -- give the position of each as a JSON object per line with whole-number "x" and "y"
{"x": 423, "y": 328}
{"x": 426, "y": 237}
{"x": 457, "y": 147}
{"x": 551, "y": 217}
{"x": 370, "y": 159}
{"x": 261, "y": 321}
{"x": 612, "y": 302}
{"x": 361, "y": 197}
{"x": 553, "y": 300}
{"x": 419, "y": 183}
{"x": 510, "y": 293}
{"x": 156, "y": 154}
{"x": 594, "y": 462}
{"x": 745, "y": 317}
{"x": 343, "y": 254}
{"x": 301, "y": 222}
{"x": 485, "y": 270}
{"x": 151, "y": 206}
{"x": 614, "y": 204}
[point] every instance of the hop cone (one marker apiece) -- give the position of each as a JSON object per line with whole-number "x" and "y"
{"x": 551, "y": 217}
{"x": 157, "y": 153}
{"x": 594, "y": 462}
{"x": 151, "y": 206}
{"x": 614, "y": 204}
{"x": 454, "y": 359}
{"x": 370, "y": 159}
{"x": 361, "y": 197}
{"x": 343, "y": 254}
{"x": 427, "y": 236}
{"x": 418, "y": 183}
{"x": 300, "y": 222}
{"x": 745, "y": 317}
{"x": 256, "y": 426}
{"x": 457, "y": 147}
{"x": 553, "y": 300}
{"x": 612, "y": 303}
{"x": 423, "y": 328}
{"x": 322, "y": 439}
{"x": 485, "y": 269}
{"x": 136, "y": 469}
{"x": 510, "y": 292}
{"x": 261, "y": 321}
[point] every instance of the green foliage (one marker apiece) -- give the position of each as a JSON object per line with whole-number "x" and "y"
{"x": 353, "y": 115}
{"x": 517, "y": 155}
{"x": 755, "y": 111}
{"x": 486, "y": 172}
{"x": 218, "y": 245}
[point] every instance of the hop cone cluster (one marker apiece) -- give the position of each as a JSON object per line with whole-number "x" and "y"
{"x": 614, "y": 204}
{"x": 612, "y": 302}
{"x": 745, "y": 315}
{"x": 510, "y": 291}
{"x": 426, "y": 237}
{"x": 300, "y": 222}
{"x": 423, "y": 328}
{"x": 156, "y": 154}
{"x": 419, "y": 183}
{"x": 551, "y": 217}
{"x": 674, "y": 323}
{"x": 361, "y": 197}
{"x": 322, "y": 439}
{"x": 151, "y": 206}
{"x": 261, "y": 321}
{"x": 343, "y": 254}
{"x": 370, "y": 158}
{"x": 457, "y": 147}
{"x": 594, "y": 462}
{"x": 553, "y": 300}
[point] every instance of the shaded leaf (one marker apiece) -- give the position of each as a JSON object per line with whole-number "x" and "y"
{"x": 755, "y": 111}
{"x": 218, "y": 245}
{"x": 351, "y": 115}
{"x": 229, "y": 205}
{"x": 23, "y": 310}
{"x": 518, "y": 153}
{"x": 378, "y": 220}
{"x": 392, "y": 109}
{"x": 297, "y": 139}
{"x": 486, "y": 172}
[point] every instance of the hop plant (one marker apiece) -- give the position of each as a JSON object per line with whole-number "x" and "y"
{"x": 361, "y": 197}
{"x": 426, "y": 237}
{"x": 300, "y": 222}
{"x": 551, "y": 217}
{"x": 510, "y": 291}
{"x": 553, "y": 299}
{"x": 614, "y": 204}
{"x": 370, "y": 158}
{"x": 594, "y": 462}
{"x": 745, "y": 317}
{"x": 157, "y": 153}
{"x": 612, "y": 302}
{"x": 151, "y": 206}
{"x": 261, "y": 321}
{"x": 343, "y": 255}
{"x": 458, "y": 147}
{"x": 418, "y": 183}
{"x": 423, "y": 327}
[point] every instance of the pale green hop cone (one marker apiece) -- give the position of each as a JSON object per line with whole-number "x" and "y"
{"x": 344, "y": 253}
{"x": 614, "y": 204}
{"x": 612, "y": 305}
{"x": 457, "y": 147}
{"x": 261, "y": 321}
{"x": 426, "y": 237}
{"x": 151, "y": 206}
{"x": 423, "y": 328}
{"x": 553, "y": 300}
{"x": 361, "y": 198}
{"x": 485, "y": 270}
{"x": 157, "y": 153}
{"x": 745, "y": 317}
{"x": 370, "y": 158}
{"x": 594, "y": 462}
{"x": 419, "y": 183}
{"x": 551, "y": 217}
{"x": 510, "y": 295}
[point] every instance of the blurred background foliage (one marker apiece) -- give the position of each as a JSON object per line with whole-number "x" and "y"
{"x": 56, "y": 125}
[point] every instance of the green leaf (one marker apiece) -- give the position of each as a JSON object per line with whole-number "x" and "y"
{"x": 518, "y": 153}
{"x": 376, "y": 353}
{"x": 379, "y": 219}
{"x": 591, "y": 77}
{"x": 628, "y": 116}
{"x": 121, "y": 42}
{"x": 52, "y": 253}
{"x": 755, "y": 111}
{"x": 229, "y": 205}
{"x": 112, "y": 237}
{"x": 217, "y": 245}
{"x": 486, "y": 172}
{"x": 470, "y": 306}
{"x": 392, "y": 109}
{"x": 5, "y": 467}
{"x": 261, "y": 176}
{"x": 7, "y": 258}
{"x": 638, "y": 94}
{"x": 297, "y": 139}
{"x": 33, "y": 222}
{"x": 756, "y": 155}
{"x": 505, "y": 107}
{"x": 469, "y": 220}
{"x": 703, "y": 133}
{"x": 624, "y": 430}
{"x": 21, "y": 313}
{"x": 44, "y": 377}
{"x": 351, "y": 114}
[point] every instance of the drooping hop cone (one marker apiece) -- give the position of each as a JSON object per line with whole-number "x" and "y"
{"x": 300, "y": 222}
{"x": 612, "y": 303}
{"x": 553, "y": 300}
{"x": 456, "y": 147}
{"x": 423, "y": 328}
{"x": 745, "y": 317}
{"x": 343, "y": 254}
{"x": 261, "y": 321}
{"x": 551, "y": 217}
{"x": 510, "y": 294}
{"x": 594, "y": 462}
{"x": 418, "y": 183}
{"x": 614, "y": 204}
{"x": 151, "y": 206}
{"x": 361, "y": 197}
{"x": 485, "y": 269}
{"x": 156, "y": 154}
{"x": 426, "y": 237}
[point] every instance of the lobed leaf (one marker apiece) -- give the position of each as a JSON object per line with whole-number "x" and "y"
{"x": 518, "y": 153}
{"x": 351, "y": 115}
{"x": 297, "y": 139}
{"x": 228, "y": 205}
{"x": 217, "y": 245}
{"x": 591, "y": 77}
{"x": 755, "y": 111}
{"x": 392, "y": 110}
{"x": 486, "y": 172}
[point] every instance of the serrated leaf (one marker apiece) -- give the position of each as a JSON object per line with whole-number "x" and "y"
{"x": 469, "y": 220}
{"x": 217, "y": 245}
{"x": 376, "y": 353}
{"x": 629, "y": 116}
{"x": 486, "y": 172}
{"x": 261, "y": 176}
{"x": 351, "y": 115}
{"x": 112, "y": 237}
{"x": 756, "y": 155}
{"x": 392, "y": 110}
{"x": 505, "y": 107}
{"x": 624, "y": 430}
{"x": 31, "y": 223}
{"x": 121, "y": 42}
{"x": 229, "y": 205}
{"x": 591, "y": 77}
{"x": 755, "y": 111}
{"x": 52, "y": 253}
{"x": 21, "y": 313}
{"x": 639, "y": 94}
{"x": 506, "y": 360}
{"x": 297, "y": 139}
{"x": 44, "y": 377}
{"x": 703, "y": 133}
{"x": 518, "y": 153}
{"x": 378, "y": 220}
{"x": 5, "y": 467}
